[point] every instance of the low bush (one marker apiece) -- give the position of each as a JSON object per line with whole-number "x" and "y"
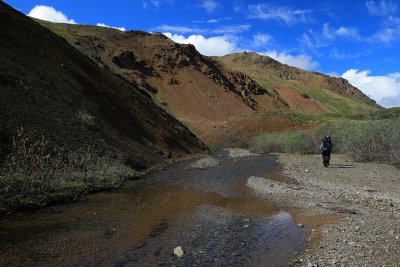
{"x": 35, "y": 173}
{"x": 367, "y": 140}
{"x": 290, "y": 142}
{"x": 86, "y": 118}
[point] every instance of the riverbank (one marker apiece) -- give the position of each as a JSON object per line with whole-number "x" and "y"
{"x": 200, "y": 205}
{"x": 27, "y": 190}
{"x": 361, "y": 200}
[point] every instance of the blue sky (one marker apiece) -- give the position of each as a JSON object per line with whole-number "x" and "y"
{"x": 358, "y": 40}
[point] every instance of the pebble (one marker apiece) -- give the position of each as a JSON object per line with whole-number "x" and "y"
{"x": 178, "y": 251}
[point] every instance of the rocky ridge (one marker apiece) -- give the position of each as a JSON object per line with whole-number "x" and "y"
{"x": 156, "y": 63}
{"x": 268, "y": 68}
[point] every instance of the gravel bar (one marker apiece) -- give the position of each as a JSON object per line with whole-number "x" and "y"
{"x": 364, "y": 196}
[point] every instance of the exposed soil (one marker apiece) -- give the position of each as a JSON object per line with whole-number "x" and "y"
{"x": 45, "y": 84}
{"x": 199, "y": 90}
{"x": 239, "y": 131}
{"x": 363, "y": 199}
{"x": 270, "y": 69}
{"x": 300, "y": 102}
{"x": 189, "y": 85}
{"x": 221, "y": 105}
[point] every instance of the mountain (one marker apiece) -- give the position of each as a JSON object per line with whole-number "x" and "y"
{"x": 306, "y": 92}
{"x": 221, "y": 99}
{"x": 190, "y": 86}
{"x": 55, "y": 93}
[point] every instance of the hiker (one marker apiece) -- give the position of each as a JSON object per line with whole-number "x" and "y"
{"x": 326, "y": 150}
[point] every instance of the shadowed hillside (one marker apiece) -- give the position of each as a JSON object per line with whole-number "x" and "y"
{"x": 53, "y": 96}
{"x": 46, "y": 83}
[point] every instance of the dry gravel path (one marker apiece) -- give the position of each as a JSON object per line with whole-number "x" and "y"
{"x": 364, "y": 199}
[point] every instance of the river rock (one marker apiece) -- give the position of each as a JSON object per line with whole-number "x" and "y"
{"x": 178, "y": 251}
{"x": 204, "y": 163}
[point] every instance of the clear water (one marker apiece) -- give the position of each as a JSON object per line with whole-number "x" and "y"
{"x": 209, "y": 213}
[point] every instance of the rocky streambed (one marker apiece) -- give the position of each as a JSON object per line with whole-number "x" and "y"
{"x": 232, "y": 208}
{"x": 193, "y": 213}
{"x": 358, "y": 206}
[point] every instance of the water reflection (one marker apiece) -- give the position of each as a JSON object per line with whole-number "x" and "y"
{"x": 207, "y": 212}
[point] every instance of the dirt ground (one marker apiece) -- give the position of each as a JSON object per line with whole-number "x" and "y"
{"x": 240, "y": 130}
{"x": 355, "y": 208}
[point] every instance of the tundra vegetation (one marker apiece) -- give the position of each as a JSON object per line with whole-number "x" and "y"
{"x": 373, "y": 138}
{"x": 36, "y": 173}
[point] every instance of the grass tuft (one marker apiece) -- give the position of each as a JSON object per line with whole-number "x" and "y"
{"x": 86, "y": 118}
{"x": 35, "y": 174}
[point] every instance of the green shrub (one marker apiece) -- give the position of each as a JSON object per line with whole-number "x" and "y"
{"x": 35, "y": 173}
{"x": 367, "y": 140}
{"x": 85, "y": 117}
{"x": 375, "y": 141}
{"x": 290, "y": 142}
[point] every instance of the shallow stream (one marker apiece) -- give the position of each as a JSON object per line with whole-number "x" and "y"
{"x": 208, "y": 212}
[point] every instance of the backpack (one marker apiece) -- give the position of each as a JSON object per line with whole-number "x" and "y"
{"x": 326, "y": 145}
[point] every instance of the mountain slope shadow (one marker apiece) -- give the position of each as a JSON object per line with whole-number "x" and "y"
{"x": 51, "y": 90}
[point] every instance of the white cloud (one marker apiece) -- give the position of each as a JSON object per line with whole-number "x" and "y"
{"x": 211, "y": 21}
{"x": 327, "y": 36}
{"x": 386, "y": 36}
{"x": 261, "y": 39}
{"x": 223, "y": 29}
{"x": 381, "y": 8}
{"x": 301, "y": 61}
{"x": 394, "y": 21}
{"x": 307, "y": 41}
{"x": 209, "y": 5}
{"x": 155, "y": 3}
{"x": 385, "y": 90}
{"x": 231, "y": 29}
{"x": 238, "y": 5}
{"x": 50, "y": 14}
{"x": 341, "y": 55}
{"x": 285, "y": 14}
{"x": 314, "y": 40}
{"x": 179, "y": 29}
{"x": 351, "y": 33}
{"x": 212, "y": 46}
{"x": 107, "y": 26}
{"x": 389, "y": 33}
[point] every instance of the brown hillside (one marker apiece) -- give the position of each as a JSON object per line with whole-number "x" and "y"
{"x": 192, "y": 87}
{"x": 53, "y": 91}
{"x": 297, "y": 87}
{"x": 212, "y": 98}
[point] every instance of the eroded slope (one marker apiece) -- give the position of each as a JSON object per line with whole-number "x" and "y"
{"x": 54, "y": 92}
